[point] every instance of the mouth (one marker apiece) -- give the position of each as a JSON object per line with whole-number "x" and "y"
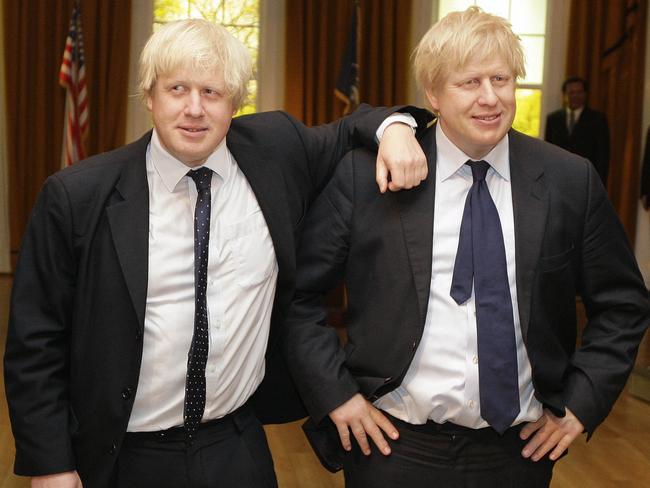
{"x": 487, "y": 118}
{"x": 193, "y": 130}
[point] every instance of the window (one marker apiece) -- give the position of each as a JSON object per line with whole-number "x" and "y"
{"x": 528, "y": 19}
{"x": 240, "y": 17}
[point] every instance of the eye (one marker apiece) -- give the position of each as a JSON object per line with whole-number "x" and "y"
{"x": 211, "y": 93}
{"x": 177, "y": 89}
{"x": 500, "y": 80}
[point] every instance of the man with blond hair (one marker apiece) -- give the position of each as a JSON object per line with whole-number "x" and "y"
{"x": 461, "y": 362}
{"x": 153, "y": 280}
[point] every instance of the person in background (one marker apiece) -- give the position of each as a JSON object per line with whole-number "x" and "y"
{"x": 461, "y": 367}
{"x": 580, "y": 129}
{"x": 153, "y": 280}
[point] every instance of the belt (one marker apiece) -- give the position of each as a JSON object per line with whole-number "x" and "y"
{"x": 234, "y": 419}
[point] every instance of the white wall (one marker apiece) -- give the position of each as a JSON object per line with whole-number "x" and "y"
{"x": 5, "y": 265}
{"x": 271, "y": 56}
{"x": 137, "y": 116}
{"x": 642, "y": 243}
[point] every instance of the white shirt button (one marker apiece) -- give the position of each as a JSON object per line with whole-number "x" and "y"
{"x": 471, "y": 404}
{"x": 475, "y": 359}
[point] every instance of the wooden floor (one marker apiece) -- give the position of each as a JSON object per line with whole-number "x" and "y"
{"x": 618, "y": 455}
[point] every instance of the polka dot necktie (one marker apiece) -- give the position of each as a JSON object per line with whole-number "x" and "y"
{"x": 198, "y": 355}
{"x": 481, "y": 260}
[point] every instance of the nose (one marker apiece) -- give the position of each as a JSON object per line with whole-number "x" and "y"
{"x": 193, "y": 106}
{"x": 487, "y": 95}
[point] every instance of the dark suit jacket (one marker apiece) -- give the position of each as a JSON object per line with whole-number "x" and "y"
{"x": 568, "y": 241}
{"x": 589, "y": 139}
{"x": 77, "y": 310}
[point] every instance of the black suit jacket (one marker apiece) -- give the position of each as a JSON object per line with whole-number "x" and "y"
{"x": 568, "y": 241}
{"x": 77, "y": 309}
{"x": 589, "y": 139}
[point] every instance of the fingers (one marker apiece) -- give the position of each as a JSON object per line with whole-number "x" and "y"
{"x": 379, "y": 423}
{"x": 344, "y": 435}
{"x": 381, "y": 174}
{"x": 400, "y": 155}
{"x": 359, "y": 430}
{"x": 359, "y": 418}
{"x": 551, "y": 434}
{"x": 384, "y": 424}
{"x": 531, "y": 427}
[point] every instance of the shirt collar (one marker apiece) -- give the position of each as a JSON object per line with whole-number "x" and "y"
{"x": 172, "y": 171}
{"x": 576, "y": 113}
{"x": 450, "y": 159}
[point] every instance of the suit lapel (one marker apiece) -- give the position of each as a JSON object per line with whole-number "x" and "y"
{"x": 128, "y": 218}
{"x": 267, "y": 182}
{"x": 530, "y": 204}
{"x": 416, "y": 213}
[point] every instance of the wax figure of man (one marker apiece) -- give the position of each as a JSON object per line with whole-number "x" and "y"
{"x": 148, "y": 298}
{"x": 460, "y": 362}
{"x": 580, "y": 129}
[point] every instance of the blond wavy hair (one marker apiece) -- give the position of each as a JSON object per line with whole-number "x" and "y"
{"x": 196, "y": 44}
{"x": 461, "y": 37}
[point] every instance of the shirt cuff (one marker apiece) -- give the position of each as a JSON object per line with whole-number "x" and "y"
{"x": 395, "y": 118}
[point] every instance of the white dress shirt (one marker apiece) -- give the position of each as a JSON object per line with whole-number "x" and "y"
{"x": 441, "y": 383}
{"x": 576, "y": 116}
{"x": 242, "y": 273}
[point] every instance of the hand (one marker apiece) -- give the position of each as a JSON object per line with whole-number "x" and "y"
{"x": 361, "y": 417}
{"x": 400, "y": 155}
{"x": 69, "y": 479}
{"x": 551, "y": 432}
{"x": 644, "y": 201}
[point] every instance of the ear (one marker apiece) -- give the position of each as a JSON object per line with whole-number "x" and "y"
{"x": 149, "y": 100}
{"x": 433, "y": 100}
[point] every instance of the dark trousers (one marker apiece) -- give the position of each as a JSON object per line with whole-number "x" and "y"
{"x": 447, "y": 456}
{"x": 226, "y": 453}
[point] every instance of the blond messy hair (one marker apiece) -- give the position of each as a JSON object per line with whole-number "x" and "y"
{"x": 196, "y": 44}
{"x": 461, "y": 37}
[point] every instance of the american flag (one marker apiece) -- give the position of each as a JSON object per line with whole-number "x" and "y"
{"x": 72, "y": 77}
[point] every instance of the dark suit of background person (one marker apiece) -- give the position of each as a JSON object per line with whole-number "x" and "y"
{"x": 568, "y": 241}
{"x": 74, "y": 346}
{"x": 645, "y": 173}
{"x": 590, "y": 135}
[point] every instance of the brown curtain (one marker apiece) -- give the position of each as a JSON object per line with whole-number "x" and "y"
{"x": 607, "y": 48}
{"x": 317, "y": 32}
{"x": 35, "y": 33}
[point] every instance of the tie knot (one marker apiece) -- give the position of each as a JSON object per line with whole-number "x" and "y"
{"x": 479, "y": 169}
{"x": 202, "y": 178}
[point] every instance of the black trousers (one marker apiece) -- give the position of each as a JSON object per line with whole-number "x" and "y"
{"x": 447, "y": 456}
{"x": 226, "y": 453}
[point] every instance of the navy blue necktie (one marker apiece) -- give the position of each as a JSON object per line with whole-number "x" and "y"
{"x": 198, "y": 355}
{"x": 481, "y": 258}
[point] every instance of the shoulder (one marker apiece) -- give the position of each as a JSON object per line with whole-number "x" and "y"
{"x": 98, "y": 174}
{"x": 595, "y": 115}
{"x": 558, "y": 114}
{"x": 262, "y": 127}
{"x": 553, "y": 160}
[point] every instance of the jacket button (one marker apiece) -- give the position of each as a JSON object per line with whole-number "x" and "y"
{"x": 415, "y": 345}
{"x": 126, "y": 393}
{"x": 138, "y": 336}
{"x": 113, "y": 449}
